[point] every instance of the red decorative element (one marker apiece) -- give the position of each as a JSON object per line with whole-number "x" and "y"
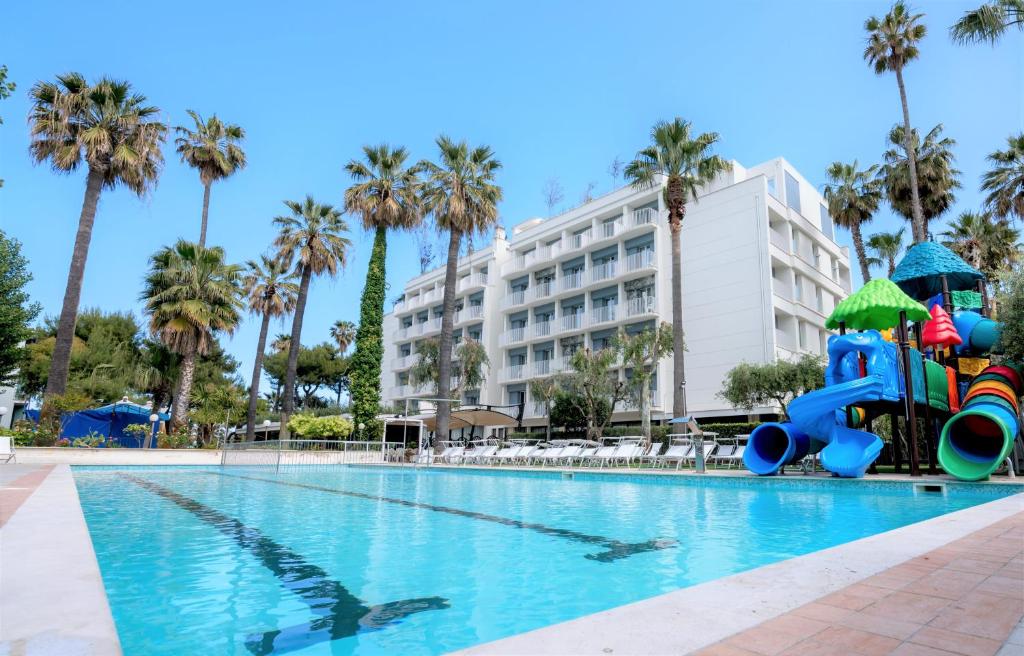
{"x": 939, "y": 332}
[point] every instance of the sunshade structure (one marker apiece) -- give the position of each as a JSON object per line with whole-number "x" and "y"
{"x": 876, "y": 305}
{"x": 920, "y": 272}
{"x": 108, "y": 421}
{"x": 470, "y": 417}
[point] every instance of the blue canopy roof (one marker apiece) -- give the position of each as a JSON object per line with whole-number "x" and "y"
{"x": 918, "y": 273}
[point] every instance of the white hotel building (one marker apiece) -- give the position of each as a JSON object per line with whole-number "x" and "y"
{"x": 761, "y": 272}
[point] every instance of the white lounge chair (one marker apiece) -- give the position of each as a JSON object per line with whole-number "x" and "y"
{"x": 7, "y": 453}
{"x": 550, "y": 455}
{"x": 677, "y": 453}
{"x": 569, "y": 454}
{"x": 455, "y": 455}
{"x": 442, "y": 457}
{"x": 483, "y": 454}
{"x": 526, "y": 454}
{"x": 652, "y": 454}
{"x": 627, "y": 452}
{"x": 709, "y": 450}
{"x": 504, "y": 455}
{"x": 584, "y": 455}
{"x": 603, "y": 455}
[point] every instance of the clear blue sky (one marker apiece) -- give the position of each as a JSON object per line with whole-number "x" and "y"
{"x": 557, "y": 89}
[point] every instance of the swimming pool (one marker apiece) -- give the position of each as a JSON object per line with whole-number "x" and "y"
{"x": 368, "y": 560}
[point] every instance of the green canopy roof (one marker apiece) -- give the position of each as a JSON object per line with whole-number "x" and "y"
{"x": 918, "y": 273}
{"x": 876, "y": 305}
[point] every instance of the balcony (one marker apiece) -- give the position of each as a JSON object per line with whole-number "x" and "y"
{"x": 641, "y": 260}
{"x": 644, "y": 216}
{"x": 610, "y": 229}
{"x": 513, "y": 335}
{"x": 602, "y": 315}
{"x": 572, "y": 281}
{"x": 430, "y": 326}
{"x": 570, "y": 322}
{"x": 636, "y": 307}
{"x": 604, "y": 271}
{"x": 579, "y": 241}
{"x": 472, "y": 281}
{"x": 543, "y": 328}
{"x": 512, "y": 373}
{"x": 404, "y": 361}
{"x": 513, "y": 299}
{"x": 469, "y": 314}
{"x": 541, "y": 290}
{"x": 544, "y": 367}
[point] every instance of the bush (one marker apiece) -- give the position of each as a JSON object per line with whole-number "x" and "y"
{"x": 176, "y": 440}
{"x": 309, "y": 426}
{"x": 566, "y": 413}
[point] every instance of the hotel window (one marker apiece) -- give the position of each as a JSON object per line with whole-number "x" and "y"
{"x": 771, "y": 187}
{"x": 826, "y": 223}
{"x": 819, "y": 298}
{"x": 516, "y": 397}
{"x": 801, "y": 332}
{"x": 796, "y": 241}
{"x": 798, "y": 288}
{"x": 816, "y": 254}
{"x": 835, "y": 270}
{"x": 792, "y": 192}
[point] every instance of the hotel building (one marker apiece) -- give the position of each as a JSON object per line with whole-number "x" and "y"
{"x": 761, "y": 272}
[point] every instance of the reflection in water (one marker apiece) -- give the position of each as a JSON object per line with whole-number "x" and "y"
{"x": 339, "y": 613}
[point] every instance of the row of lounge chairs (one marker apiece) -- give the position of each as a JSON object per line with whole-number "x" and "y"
{"x": 579, "y": 453}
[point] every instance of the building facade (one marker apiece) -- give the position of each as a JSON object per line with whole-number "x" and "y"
{"x": 761, "y": 272}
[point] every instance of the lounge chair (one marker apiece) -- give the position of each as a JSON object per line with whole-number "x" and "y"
{"x": 569, "y": 454}
{"x": 550, "y": 454}
{"x": 442, "y": 457}
{"x": 652, "y": 455}
{"x": 709, "y": 450}
{"x": 677, "y": 453}
{"x": 627, "y": 452}
{"x": 454, "y": 456}
{"x": 603, "y": 455}
{"x": 7, "y": 453}
{"x": 504, "y": 455}
{"x": 526, "y": 454}
{"x": 584, "y": 455}
{"x": 482, "y": 455}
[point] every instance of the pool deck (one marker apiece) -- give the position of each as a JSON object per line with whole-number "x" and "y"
{"x": 953, "y": 584}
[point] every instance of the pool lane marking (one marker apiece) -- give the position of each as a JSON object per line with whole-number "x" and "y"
{"x": 615, "y": 549}
{"x": 339, "y": 613}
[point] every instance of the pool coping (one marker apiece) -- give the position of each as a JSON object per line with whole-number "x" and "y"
{"x": 695, "y": 617}
{"x": 53, "y": 601}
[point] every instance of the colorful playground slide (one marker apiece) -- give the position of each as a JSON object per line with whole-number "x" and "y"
{"x": 975, "y": 442}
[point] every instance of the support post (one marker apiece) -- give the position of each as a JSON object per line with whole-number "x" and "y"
{"x": 929, "y": 448}
{"x": 908, "y": 378}
{"x": 897, "y": 450}
{"x": 984, "y": 298}
{"x": 947, "y": 298}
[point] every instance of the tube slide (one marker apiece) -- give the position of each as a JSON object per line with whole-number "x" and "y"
{"x": 773, "y": 445}
{"x": 976, "y": 441}
{"x": 979, "y": 334}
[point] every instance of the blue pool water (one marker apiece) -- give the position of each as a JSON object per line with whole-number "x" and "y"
{"x": 364, "y": 560}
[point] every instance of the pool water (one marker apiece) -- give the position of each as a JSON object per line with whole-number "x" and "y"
{"x": 367, "y": 560}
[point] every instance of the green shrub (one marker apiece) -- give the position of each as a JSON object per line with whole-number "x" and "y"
{"x": 311, "y": 427}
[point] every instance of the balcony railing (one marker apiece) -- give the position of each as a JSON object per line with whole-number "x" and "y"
{"x": 469, "y": 313}
{"x": 542, "y": 328}
{"x": 609, "y": 229}
{"x": 513, "y": 335}
{"x": 570, "y": 322}
{"x": 514, "y": 298}
{"x": 543, "y": 367}
{"x": 604, "y": 271}
{"x": 572, "y": 281}
{"x": 580, "y": 240}
{"x": 403, "y": 361}
{"x": 430, "y": 326}
{"x": 473, "y": 280}
{"x": 641, "y": 260}
{"x": 644, "y": 216}
{"x": 602, "y": 314}
{"x": 640, "y": 306}
{"x": 541, "y": 290}
{"x": 513, "y": 372}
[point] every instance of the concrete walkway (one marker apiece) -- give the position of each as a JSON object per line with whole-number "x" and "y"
{"x": 965, "y": 598}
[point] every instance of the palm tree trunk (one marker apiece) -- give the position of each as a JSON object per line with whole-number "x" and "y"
{"x": 293, "y": 352}
{"x": 179, "y": 416}
{"x": 645, "y": 411}
{"x": 678, "y": 343}
{"x": 858, "y": 247}
{"x": 57, "y": 382}
{"x": 444, "y": 355}
{"x": 158, "y": 398}
{"x": 892, "y": 266}
{"x": 547, "y": 427}
{"x": 206, "y": 213}
{"x": 919, "y": 229}
{"x": 254, "y": 387}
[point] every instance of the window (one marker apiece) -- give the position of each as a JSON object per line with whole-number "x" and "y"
{"x": 798, "y": 288}
{"x": 816, "y": 254}
{"x": 819, "y": 298}
{"x": 796, "y": 241}
{"x": 771, "y": 187}
{"x": 792, "y": 192}
{"x": 835, "y": 270}
{"x": 801, "y": 333}
{"x": 515, "y": 397}
{"x": 827, "y": 228}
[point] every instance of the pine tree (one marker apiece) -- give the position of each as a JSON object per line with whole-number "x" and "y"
{"x": 366, "y": 361}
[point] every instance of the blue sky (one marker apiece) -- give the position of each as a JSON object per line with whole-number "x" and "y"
{"x": 558, "y": 89}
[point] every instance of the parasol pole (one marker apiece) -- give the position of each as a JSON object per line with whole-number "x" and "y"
{"x": 929, "y": 448}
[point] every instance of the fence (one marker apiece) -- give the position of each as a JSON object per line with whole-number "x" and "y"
{"x": 282, "y": 453}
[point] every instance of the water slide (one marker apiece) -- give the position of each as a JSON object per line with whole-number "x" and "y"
{"x": 976, "y": 441}
{"x": 818, "y": 418}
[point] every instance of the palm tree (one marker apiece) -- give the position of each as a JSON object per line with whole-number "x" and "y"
{"x": 270, "y": 286}
{"x": 281, "y": 342}
{"x": 936, "y": 177}
{"x": 686, "y": 163}
{"x": 343, "y": 333}
{"x": 1005, "y": 182}
{"x": 885, "y": 248}
{"x": 213, "y": 149}
{"x": 117, "y": 136}
{"x": 988, "y": 22}
{"x": 988, "y": 244}
{"x": 853, "y": 197}
{"x": 191, "y": 295}
{"x": 461, "y": 194}
{"x": 385, "y": 195}
{"x": 312, "y": 238}
{"x": 892, "y": 44}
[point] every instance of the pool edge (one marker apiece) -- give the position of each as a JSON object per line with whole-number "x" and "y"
{"x": 692, "y": 618}
{"x": 47, "y": 565}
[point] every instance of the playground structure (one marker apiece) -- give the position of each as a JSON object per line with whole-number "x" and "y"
{"x": 936, "y": 366}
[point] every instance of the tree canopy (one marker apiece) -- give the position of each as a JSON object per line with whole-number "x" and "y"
{"x": 17, "y": 311}
{"x": 749, "y": 385}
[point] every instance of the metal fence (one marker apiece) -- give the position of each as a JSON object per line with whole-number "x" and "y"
{"x": 284, "y": 453}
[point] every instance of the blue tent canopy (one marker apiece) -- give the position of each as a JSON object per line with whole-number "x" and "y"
{"x": 108, "y": 421}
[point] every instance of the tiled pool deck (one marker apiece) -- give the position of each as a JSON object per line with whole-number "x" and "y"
{"x": 950, "y": 585}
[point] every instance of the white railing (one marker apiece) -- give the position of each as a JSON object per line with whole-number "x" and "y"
{"x": 513, "y": 372}
{"x": 399, "y": 306}
{"x": 472, "y": 280}
{"x": 430, "y": 326}
{"x": 604, "y": 271}
{"x": 403, "y": 333}
{"x": 609, "y": 229}
{"x": 641, "y": 260}
{"x": 469, "y": 313}
{"x": 542, "y": 328}
{"x": 541, "y": 290}
{"x": 514, "y": 298}
{"x": 542, "y": 367}
{"x": 642, "y": 305}
{"x": 301, "y": 452}
{"x": 603, "y": 314}
{"x": 644, "y": 216}
{"x": 513, "y": 335}
{"x": 572, "y": 280}
{"x": 580, "y": 240}
{"x": 572, "y": 321}
{"x": 404, "y": 361}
